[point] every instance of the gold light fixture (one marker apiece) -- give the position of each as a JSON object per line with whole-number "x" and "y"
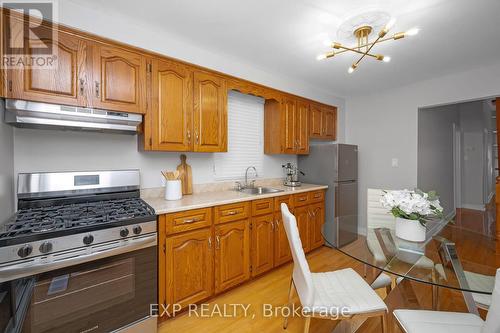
{"x": 364, "y": 46}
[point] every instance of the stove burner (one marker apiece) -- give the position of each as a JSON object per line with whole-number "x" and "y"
{"x": 71, "y": 216}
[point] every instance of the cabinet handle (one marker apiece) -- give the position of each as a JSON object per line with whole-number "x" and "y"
{"x": 302, "y": 199}
{"x": 81, "y": 86}
{"x": 196, "y": 136}
{"x": 231, "y": 212}
{"x": 277, "y": 222}
{"x": 309, "y": 213}
{"x": 190, "y": 220}
{"x": 188, "y": 136}
{"x": 210, "y": 242}
{"x": 272, "y": 225}
{"x": 96, "y": 89}
{"x": 217, "y": 242}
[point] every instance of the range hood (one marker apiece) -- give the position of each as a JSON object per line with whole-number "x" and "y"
{"x": 28, "y": 114}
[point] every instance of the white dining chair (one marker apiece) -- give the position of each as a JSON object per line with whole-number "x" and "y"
{"x": 422, "y": 321}
{"x": 336, "y": 295}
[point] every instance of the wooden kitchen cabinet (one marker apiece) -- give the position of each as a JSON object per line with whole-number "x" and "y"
{"x": 303, "y": 220}
{"x": 282, "y": 252}
{"x": 171, "y": 106}
{"x": 188, "y": 267}
{"x": 119, "y": 79}
{"x": 323, "y": 122}
{"x": 232, "y": 254}
{"x": 66, "y": 82}
{"x": 286, "y": 126}
{"x": 210, "y": 113}
{"x": 317, "y": 219}
{"x": 263, "y": 235}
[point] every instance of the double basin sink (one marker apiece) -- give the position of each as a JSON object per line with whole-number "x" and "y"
{"x": 259, "y": 190}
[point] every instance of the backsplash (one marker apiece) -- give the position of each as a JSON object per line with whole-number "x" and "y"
{"x": 210, "y": 187}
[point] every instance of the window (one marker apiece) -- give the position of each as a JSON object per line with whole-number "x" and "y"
{"x": 245, "y": 138}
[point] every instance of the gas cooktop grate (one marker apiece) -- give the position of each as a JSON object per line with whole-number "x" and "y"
{"x": 65, "y": 217}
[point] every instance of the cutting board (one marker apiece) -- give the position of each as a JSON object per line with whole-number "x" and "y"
{"x": 185, "y": 175}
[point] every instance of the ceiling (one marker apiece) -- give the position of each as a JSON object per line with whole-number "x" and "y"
{"x": 284, "y": 37}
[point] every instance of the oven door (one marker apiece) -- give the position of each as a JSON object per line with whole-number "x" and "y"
{"x": 97, "y": 296}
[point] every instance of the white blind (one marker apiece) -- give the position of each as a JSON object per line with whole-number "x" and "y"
{"x": 245, "y": 137}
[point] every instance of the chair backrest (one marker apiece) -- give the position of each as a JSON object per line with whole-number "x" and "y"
{"x": 492, "y": 324}
{"x": 376, "y": 215}
{"x": 302, "y": 277}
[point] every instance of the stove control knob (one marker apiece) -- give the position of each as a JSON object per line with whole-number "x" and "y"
{"x": 46, "y": 247}
{"x": 87, "y": 240}
{"x": 137, "y": 229}
{"x": 124, "y": 232}
{"x": 25, "y": 251}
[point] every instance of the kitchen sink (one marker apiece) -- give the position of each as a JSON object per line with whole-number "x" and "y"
{"x": 260, "y": 190}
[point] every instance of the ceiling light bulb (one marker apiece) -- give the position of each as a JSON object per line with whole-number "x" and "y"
{"x": 321, "y": 57}
{"x": 386, "y": 59}
{"x": 327, "y": 42}
{"x": 412, "y": 32}
{"x": 390, "y": 24}
{"x": 350, "y": 70}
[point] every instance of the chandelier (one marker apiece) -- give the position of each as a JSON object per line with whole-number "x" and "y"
{"x": 364, "y": 45}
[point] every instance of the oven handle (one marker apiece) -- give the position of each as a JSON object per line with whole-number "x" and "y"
{"x": 20, "y": 270}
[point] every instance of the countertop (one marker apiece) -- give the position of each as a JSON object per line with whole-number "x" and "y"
{"x": 209, "y": 199}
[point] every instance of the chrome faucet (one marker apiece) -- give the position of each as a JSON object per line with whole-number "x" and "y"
{"x": 246, "y": 177}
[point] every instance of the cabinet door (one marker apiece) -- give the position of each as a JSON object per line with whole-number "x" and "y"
{"x": 210, "y": 115}
{"x": 330, "y": 123}
{"x": 302, "y": 132}
{"x": 171, "y": 106}
{"x": 289, "y": 126}
{"x": 302, "y": 216}
{"x": 262, "y": 244}
{"x": 119, "y": 79}
{"x": 232, "y": 254}
{"x": 282, "y": 253}
{"x": 315, "y": 121}
{"x": 64, "y": 83}
{"x": 189, "y": 267}
{"x": 317, "y": 216}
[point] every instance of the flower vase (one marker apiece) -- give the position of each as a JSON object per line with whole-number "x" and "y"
{"x": 410, "y": 230}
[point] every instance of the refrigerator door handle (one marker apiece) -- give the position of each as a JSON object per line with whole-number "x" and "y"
{"x": 345, "y": 181}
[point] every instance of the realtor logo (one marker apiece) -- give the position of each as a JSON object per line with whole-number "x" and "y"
{"x": 29, "y": 44}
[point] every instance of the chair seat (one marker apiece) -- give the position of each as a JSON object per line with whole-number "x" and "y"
{"x": 422, "y": 321}
{"x": 344, "y": 289}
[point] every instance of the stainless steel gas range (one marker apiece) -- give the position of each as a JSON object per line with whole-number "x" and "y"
{"x": 79, "y": 255}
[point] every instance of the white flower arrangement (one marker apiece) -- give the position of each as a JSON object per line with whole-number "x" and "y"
{"x": 412, "y": 205}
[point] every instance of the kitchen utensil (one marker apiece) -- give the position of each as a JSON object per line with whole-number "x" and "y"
{"x": 185, "y": 175}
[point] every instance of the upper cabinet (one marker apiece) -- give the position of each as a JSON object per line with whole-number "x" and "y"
{"x": 323, "y": 122}
{"x": 65, "y": 82}
{"x": 210, "y": 115}
{"x": 171, "y": 107}
{"x": 119, "y": 79}
{"x": 286, "y": 126}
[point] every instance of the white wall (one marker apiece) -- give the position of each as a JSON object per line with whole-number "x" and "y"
{"x": 436, "y": 136}
{"x": 6, "y": 168}
{"x": 384, "y": 124}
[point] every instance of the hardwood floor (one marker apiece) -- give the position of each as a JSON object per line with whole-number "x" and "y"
{"x": 272, "y": 288}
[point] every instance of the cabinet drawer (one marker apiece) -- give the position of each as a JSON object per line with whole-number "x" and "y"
{"x": 300, "y": 199}
{"x": 232, "y": 212}
{"x": 316, "y": 196}
{"x": 188, "y": 220}
{"x": 282, "y": 199}
{"x": 262, "y": 206}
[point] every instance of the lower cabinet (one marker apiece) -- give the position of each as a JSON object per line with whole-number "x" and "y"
{"x": 262, "y": 244}
{"x": 232, "y": 254}
{"x": 317, "y": 219}
{"x": 189, "y": 267}
{"x": 282, "y": 253}
{"x": 302, "y": 215}
{"x": 206, "y": 251}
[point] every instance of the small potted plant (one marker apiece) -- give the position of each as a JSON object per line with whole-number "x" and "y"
{"x": 412, "y": 209}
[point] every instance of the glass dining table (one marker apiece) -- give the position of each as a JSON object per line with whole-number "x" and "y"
{"x": 450, "y": 257}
